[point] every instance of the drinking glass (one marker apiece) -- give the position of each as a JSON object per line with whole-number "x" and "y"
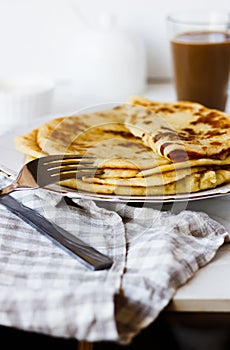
{"x": 200, "y": 46}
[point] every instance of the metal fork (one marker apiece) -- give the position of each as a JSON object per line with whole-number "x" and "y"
{"x": 47, "y": 170}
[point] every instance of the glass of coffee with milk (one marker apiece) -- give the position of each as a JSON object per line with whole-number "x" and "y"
{"x": 200, "y": 46}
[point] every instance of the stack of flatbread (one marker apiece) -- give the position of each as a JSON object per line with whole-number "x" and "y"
{"x": 143, "y": 147}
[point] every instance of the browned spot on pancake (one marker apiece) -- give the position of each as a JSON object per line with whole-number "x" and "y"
{"x": 164, "y": 110}
{"x": 214, "y": 132}
{"x": 169, "y": 135}
{"x": 215, "y": 143}
{"x": 182, "y": 108}
{"x": 61, "y": 137}
{"x": 153, "y": 104}
{"x": 189, "y": 130}
{"x": 147, "y": 122}
{"x": 130, "y": 144}
{"x": 214, "y": 119}
{"x": 188, "y": 134}
{"x": 119, "y": 133}
{"x": 137, "y": 102}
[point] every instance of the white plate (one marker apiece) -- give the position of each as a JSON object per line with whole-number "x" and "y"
{"x": 11, "y": 159}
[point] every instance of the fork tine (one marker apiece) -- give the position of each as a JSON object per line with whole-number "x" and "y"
{"x": 68, "y": 169}
{"x": 69, "y": 160}
{"x": 75, "y": 175}
{"x": 68, "y": 164}
{"x": 56, "y": 164}
{"x": 61, "y": 157}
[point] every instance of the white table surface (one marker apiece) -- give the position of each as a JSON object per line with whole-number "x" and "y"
{"x": 209, "y": 289}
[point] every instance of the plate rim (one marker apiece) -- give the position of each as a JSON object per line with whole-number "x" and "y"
{"x": 76, "y": 194}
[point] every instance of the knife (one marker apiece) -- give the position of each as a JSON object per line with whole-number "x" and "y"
{"x": 86, "y": 254}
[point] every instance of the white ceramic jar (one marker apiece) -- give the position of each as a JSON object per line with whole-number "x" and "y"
{"x": 23, "y": 99}
{"x": 112, "y": 62}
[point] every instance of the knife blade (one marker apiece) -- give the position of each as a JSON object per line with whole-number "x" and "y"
{"x": 86, "y": 254}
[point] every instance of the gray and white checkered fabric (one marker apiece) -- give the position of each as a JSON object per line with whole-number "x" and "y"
{"x": 45, "y": 289}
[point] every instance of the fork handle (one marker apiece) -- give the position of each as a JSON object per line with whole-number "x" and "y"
{"x": 8, "y": 189}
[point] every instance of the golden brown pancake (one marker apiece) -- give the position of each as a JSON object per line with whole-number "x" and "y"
{"x": 99, "y": 134}
{"x": 181, "y": 130}
{"x": 136, "y": 162}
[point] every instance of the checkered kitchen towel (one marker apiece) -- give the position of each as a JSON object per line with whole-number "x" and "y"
{"x": 45, "y": 289}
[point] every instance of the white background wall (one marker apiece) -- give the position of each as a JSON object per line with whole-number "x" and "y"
{"x": 43, "y": 36}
